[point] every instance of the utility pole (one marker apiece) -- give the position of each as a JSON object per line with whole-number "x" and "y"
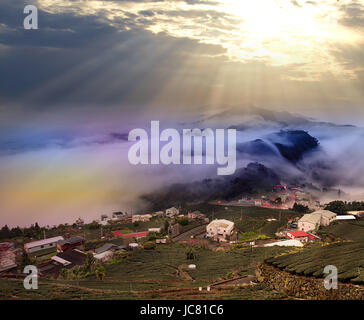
{"x": 44, "y": 235}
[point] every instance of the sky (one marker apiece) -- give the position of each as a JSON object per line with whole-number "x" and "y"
{"x": 71, "y": 90}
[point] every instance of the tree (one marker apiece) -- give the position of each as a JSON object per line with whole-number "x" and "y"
{"x": 37, "y": 228}
{"x": 300, "y": 208}
{"x": 15, "y": 232}
{"x": 100, "y": 272}
{"x": 94, "y": 225}
{"x": 190, "y": 254}
{"x": 25, "y": 259}
{"x": 166, "y": 226}
{"x": 337, "y": 206}
{"x": 229, "y": 275}
{"x": 4, "y": 232}
{"x": 63, "y": 273}
{"x": 77, "y": 273}
{"x": 182, "y": 221}
{"x": 151, "y": 236}
{"x": 90, "y": 262}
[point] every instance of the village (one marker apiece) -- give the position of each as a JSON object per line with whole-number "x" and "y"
{"x": 189, "y": 239}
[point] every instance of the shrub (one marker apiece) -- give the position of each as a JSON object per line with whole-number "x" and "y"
{"x": 190, "y": 254}
{"x": 229, "y": 276}
{"x": 149, "y": 245}
{"x": 183, "y": 221}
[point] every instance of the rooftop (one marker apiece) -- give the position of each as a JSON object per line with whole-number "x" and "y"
{"x": 42, "y": 242}
{"x": 72, "y": 240}
{"x": 74, "y": 256}
{"x": 298, "y": 234}
{"x": 222, "y": 223}
{"x": 105, "y": 247}
{"x": 346, "y": 217}
{"x": 311, "y": 218}
{"x": 325, "y": 213}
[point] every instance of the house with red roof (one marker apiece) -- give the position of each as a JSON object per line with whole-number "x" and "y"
{"x": 301, "y": 236}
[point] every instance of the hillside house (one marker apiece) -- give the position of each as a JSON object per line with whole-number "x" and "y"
{"x": 220, "y": 230}
{"x": 106, "y": 252}
{"x": 40, "y": 245}
{"x": 141, "y": 217}
{"x": 7, "y": 256}
{"x": 70, "y": 258}
{"x": 71, "y": 243}
{"x": 312, "y": 221}
{"x": 120, "y": 216}
{"x": 195, "y": 215}
{"x": 171, "y": 212}
{"x": 175, "y": 229}
{"x": 159, "y": 214}
{"x": 309, "y": 222}
{"x": 161, "y": 241}
{"x": 326, "y": 217}
{"x": 301, "y": 236}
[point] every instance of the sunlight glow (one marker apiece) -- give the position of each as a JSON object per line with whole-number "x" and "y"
{"x": 302, "y": 34}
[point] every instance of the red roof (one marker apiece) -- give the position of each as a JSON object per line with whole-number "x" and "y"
{"x": 300, "y": 234}
{"x": 131, "y": 235}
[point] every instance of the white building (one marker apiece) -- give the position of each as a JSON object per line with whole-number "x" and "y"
{"x": 42, "y": 244}
{"x": 141, "y": 217}
{"x": 220, "y": 229}
{"x": 104, "y": 256}
{"x": 171, "y": 212}
{"x": 309, "y": 222}
{"x": 156, "y": 230}
{"x": 133, "y": 245}
{"x": 158, "y": 214}
{"x": 345, "y": 217}
{"x": 120, "y": 216}
{"x": 312, "y": 221}
{"x": 159, "y": 241}
{"x": 326, "y": 217}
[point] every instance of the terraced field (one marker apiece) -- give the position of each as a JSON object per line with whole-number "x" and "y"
{"x": 345, "y": 230}
{"x": 152, "y": 274}
{"x": 348, "y": 257}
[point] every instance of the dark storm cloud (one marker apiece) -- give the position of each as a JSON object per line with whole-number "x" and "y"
{"x": 34, "y": 61}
